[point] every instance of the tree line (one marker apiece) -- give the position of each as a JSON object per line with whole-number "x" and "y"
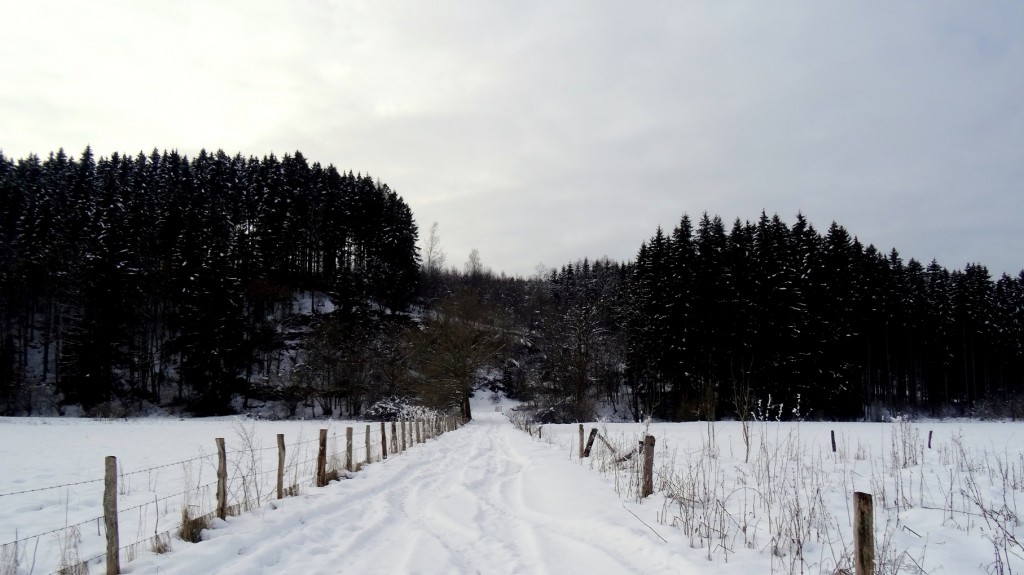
{"x": 167, "y": 280}
{"x": 163, "y": 278}
{"x": 819, "y": 321}
{"x": 708, "y": 321}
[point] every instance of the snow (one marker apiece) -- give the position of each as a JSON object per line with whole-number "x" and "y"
{"x": 312, "y": 302}
{"x": 488, "y": 498}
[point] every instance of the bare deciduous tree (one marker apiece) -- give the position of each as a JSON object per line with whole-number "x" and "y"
{"x": 458, "y": 339}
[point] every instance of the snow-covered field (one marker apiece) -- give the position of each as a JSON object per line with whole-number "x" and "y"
{"x": 488, "y": 498}
{"x": 52, "y": 469}
{"x": 953, "y": 507}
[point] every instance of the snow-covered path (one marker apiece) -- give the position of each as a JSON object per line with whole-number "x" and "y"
{"x": 482, "y": 499}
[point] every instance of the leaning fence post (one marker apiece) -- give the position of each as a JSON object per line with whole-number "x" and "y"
{"x": 833, "y": 441}
{"x": 590, "y": 442}
{"x": 222, "y": 479}
{"x": 321, "y": 460}
{"x": 369, "y": 445}
{"x": 383, "y": 441}
{"x": 110, "y": 515}
{"x": 348, "y": 450}
{"x": 280, "y": 466}
{"x": 648, "y": 479}
{"x": 863, "y": 534}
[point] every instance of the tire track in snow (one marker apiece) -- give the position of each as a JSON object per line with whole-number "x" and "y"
{"x": 452, "y": 511}
{"x": 481, "y": 499}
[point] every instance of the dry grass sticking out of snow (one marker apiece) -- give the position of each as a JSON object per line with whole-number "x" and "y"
{"x": 51, "y": 482}
{"x": 953, "y": 507}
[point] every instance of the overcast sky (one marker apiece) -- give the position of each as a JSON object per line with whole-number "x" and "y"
{"x": 546, "y": 131}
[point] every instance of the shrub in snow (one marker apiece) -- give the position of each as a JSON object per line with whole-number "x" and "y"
{"x": 394, "y": 408}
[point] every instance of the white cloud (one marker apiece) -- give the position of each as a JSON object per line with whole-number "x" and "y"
{"x": 539, "y": 131}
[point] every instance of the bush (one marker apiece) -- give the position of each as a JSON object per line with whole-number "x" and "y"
{"x": 395, "y": 408}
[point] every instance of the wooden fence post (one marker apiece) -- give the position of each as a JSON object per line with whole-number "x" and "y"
{"x": 405, "y": 445}
{"x": 321, "y": 460}
{"x": 110, "y": 515}
{"x": 590, "y": 442}
{"x": 280, "y": 466}
{"x": 369, "y": 445}
{"x": 349, "y": 462}
{"x": 833, "y": 441}
{"x": 383, "y": 442}
{"x": 930, "y": 438}
{"x": 863, "y": 534}
{"x": 581, "y": 441}
{"x": 419, "y": 432}
{"x": 222, "y": 479}
{"x": 394, "y": 437}
{"x": 648, "y": 478}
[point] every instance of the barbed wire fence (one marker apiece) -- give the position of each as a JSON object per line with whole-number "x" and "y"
{"x": 209, "y": 486}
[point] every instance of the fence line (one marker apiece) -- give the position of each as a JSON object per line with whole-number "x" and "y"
{"x": 863, "y": 553}
{"x": 140, "y": 471}
{"x": 248, "y": 482}
{"x": 61, "y": 486}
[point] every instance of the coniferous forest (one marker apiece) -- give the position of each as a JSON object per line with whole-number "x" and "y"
{"x": 164, "y": 280}
{"x": 714, "y": 322}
